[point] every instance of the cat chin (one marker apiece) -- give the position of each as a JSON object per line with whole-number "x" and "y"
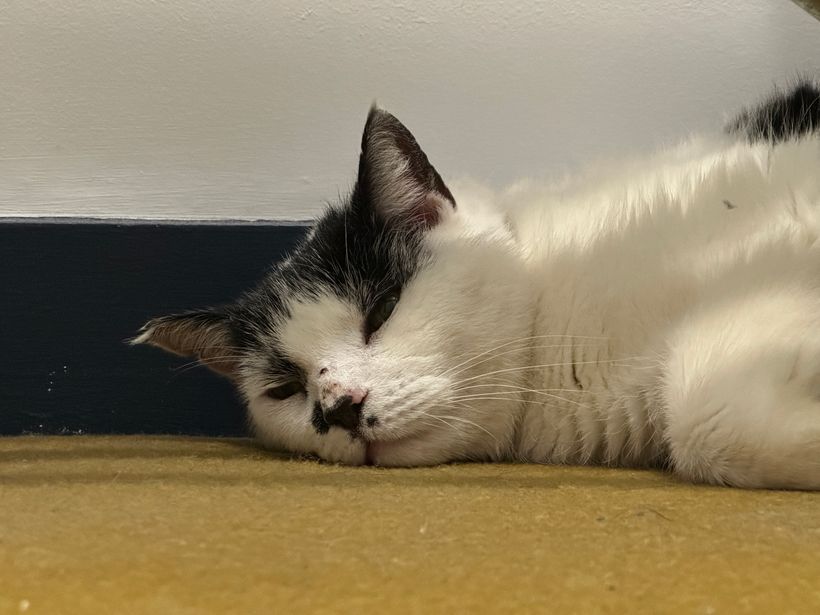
{"x": 386, "y": 453}
{"x": 404, "y": 452}
{"x": 339, "y": 447}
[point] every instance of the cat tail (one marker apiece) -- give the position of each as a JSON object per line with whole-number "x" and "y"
{"x": 786, "y": 114}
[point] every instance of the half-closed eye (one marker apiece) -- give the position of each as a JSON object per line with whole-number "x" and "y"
{"x": 379, "y": 314}
{"x": 283, "y": 391}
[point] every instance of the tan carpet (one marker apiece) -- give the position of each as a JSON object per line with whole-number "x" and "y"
{"x": 182, "y": 525}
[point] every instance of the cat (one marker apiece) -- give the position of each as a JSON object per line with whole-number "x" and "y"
{"x": 660, "y": 312}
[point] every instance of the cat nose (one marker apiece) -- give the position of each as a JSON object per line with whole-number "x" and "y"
{"x": 346, "y": 412}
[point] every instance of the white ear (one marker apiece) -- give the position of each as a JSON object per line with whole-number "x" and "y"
{"x": 395, "y": 177}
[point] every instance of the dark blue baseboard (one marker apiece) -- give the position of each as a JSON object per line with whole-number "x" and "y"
{"x": 72, "y": 291}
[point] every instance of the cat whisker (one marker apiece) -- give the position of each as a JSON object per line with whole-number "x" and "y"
{"x": 509, "y": 396}
{"x": 518, "y": 340}
{"x": 469, "y": 422}
{"x": 206, "y": 362}
{"x": 440, "y": 420}
{"x": 545, "y": 365}
{"x": 523, "y": 389}
{"x": 511, "y": 390}
{"x": 460, "y": 420}
{"x": 469, "y": 364}
{"x": 528, "y": 402}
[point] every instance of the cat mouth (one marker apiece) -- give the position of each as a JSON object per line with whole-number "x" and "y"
{"x": 370, "y": 453}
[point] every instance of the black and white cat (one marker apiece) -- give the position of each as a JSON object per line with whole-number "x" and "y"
{"x": 657, "y": 312}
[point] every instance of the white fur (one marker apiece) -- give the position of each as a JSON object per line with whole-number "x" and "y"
{"x": 668, "y": 307}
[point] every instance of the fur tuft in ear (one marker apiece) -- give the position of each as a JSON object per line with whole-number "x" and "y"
{"x": 395, "y": 177}
{"x": 203, "y": 334}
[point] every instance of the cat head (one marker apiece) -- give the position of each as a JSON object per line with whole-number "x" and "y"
{"x": 372, "y": 342}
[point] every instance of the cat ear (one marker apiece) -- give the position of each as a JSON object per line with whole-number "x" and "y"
{"x": 203, "y": 334}
{"x": 395, "y": 177}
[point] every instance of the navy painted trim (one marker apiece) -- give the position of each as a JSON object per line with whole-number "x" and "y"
{"x": 71, "y": 292}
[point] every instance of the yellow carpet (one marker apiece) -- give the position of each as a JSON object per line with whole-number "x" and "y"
{"x": 118, "y": 525}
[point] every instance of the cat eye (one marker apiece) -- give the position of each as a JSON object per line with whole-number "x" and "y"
{"x": 283, "y": 391}
{"x": 379, "y": 314}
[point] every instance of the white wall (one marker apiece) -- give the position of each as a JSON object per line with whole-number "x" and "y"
{"x": 208, "y": 109}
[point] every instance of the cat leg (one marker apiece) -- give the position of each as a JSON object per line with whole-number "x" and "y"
{"x": 741, "y": 392}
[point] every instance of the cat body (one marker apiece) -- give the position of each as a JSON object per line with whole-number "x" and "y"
{"x": 659, "y": 312}
{"x": 701, "y": 275}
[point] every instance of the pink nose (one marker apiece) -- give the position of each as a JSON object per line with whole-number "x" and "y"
{"x": 345, "y": 411}
{"x": 357, "y": 395}
{"x": 330, "y": 391}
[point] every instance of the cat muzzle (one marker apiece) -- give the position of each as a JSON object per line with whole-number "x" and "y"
{"x": 345, "y": 413}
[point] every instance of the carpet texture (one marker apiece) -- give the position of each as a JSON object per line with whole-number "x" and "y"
{"x": 184, "y": 525}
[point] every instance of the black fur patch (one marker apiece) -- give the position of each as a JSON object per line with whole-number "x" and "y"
{"x": 318, "y": 419}
{"x": 352, "y": 254}
{"x": 355, "y": 251}
{"x": 783, "y": 116}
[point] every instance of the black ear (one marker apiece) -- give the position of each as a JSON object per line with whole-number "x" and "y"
{"x": 395, "y": 177}
{"x": 204, "y": 334}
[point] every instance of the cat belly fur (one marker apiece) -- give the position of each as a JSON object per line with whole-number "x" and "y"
{"x": 687, "y": 300}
